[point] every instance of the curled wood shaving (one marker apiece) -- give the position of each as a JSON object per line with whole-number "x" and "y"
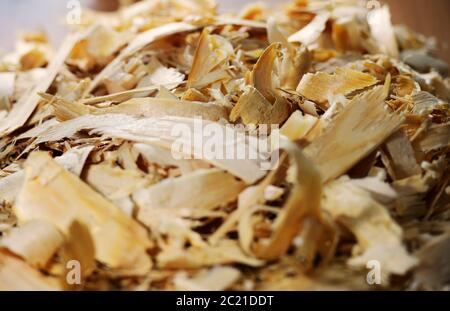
{"x": 36, "y": 242}
{"x": 432, "y": 273}
{"x": 158, "y": 131}
{"x": 212, "y": 52}
{"x": 310, "y": 33}
{"x": 322, "y": 87}
{"x": 379, "y": 237}
{"x": 7, "y": 80}
{"x": 16, "y": 275}
{"x": 48, "y": 188}
{"x": 306, "y": 193}
{"x": 25, "y": 107}
{"x": 117, "y": 184}
{"x": 145, "y": 107}
{"x": 334, "y": 157}
{"x": 253, "y": 108}
{"x": 201, "y": 189}
{"x": 295, "y": 60}
{"x": 262, "y": 74}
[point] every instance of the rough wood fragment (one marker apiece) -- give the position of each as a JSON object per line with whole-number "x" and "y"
{"x": 334, "y": 153}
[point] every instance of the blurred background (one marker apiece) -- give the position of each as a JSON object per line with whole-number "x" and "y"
{"x": 430, "y": 17}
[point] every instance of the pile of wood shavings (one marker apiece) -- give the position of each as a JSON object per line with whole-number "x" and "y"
{"x": 87, "y": 173}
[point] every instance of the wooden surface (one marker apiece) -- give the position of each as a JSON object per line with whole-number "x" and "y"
{"x": 430, "y": 17}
